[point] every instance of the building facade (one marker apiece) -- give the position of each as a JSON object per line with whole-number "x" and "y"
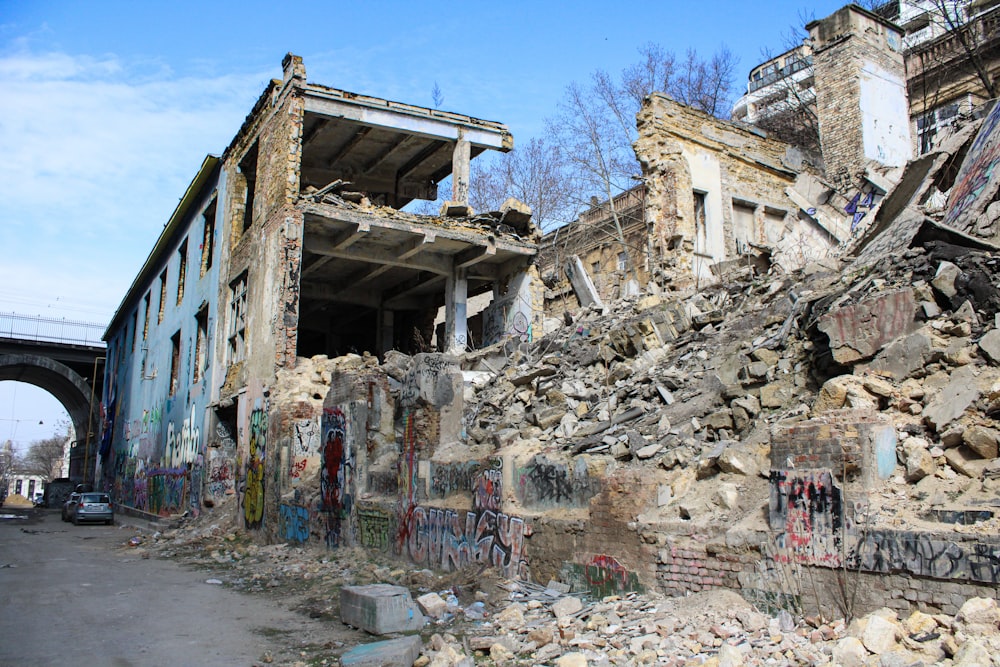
{"x": 951, "y": 68}
{"x": 292, "y": 246}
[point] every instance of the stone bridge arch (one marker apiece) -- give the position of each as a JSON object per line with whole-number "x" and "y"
{"x": 70, "y": 389}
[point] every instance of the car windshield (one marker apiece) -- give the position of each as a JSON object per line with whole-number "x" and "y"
{"x": 94, "y": 498}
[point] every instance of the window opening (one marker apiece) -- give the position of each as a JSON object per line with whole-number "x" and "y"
{"x": 201, "y": 344}
{"x": 175, "y": 361}
{"x": 237, "y": 319}
{"x": 163, "y": 296}
{"x": 182, "y": 270}
{"x": 208, "y": 241}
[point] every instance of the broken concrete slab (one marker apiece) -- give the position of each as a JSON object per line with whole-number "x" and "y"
{"x": 982, "y": 440}
{"x": 953, "y": 399}
{"x": 380, "y": 609}
{"x": 402, "y": 652}
{"x": 859, "y": 331}
{"x": 963, "y": 460}
{"x": 989, "y": 345}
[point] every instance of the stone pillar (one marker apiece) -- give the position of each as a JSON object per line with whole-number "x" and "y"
{"x": 460, "y": 160}
{"x": 456, "y": 325}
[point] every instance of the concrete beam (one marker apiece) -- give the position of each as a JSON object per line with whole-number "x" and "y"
{"x": 427, "y": 261}
{"x": 413, "y": 120}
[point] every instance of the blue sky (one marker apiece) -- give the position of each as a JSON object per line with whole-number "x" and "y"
{"x": 108, "y": 108}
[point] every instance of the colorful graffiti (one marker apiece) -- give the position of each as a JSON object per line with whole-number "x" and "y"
{"x": 488, "y": 494}
{"x": 979, "y": 174}
{"x": 221, "y": 480}
{"x": 165, "y": 490}
{"x": 861, "y": 204}
{"x": 374, "y": 528}
{"x": 253, "y": 496}
{"x": 602, "y": 576}
{"x": 183, "y": 447}
{"x": 407, "y": 480}
{"x": 294, "y": 523}
{"x": 445, "y": 539}
{"x": 806, "y": 513}
{"x": 305, "y": 446}
{"x": 335, "y": 475}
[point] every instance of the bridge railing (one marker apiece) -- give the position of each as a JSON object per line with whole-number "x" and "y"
{"x": 50, "y": 329}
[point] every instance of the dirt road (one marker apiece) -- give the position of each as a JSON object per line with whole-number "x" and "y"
{"x": 79, "y": 595}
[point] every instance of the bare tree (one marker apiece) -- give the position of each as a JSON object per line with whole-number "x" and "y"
{"x": 594, "y": 126}
{"x": 534, "y": 174}
{"x": 44, "y": 457}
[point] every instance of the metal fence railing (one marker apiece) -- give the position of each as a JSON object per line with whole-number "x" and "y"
{"x": 50, "y": 329}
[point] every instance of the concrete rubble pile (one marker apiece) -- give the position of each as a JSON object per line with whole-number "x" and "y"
{"x": 778, "y": 451}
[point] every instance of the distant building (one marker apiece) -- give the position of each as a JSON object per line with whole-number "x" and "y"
{"x": 945, "y": 61}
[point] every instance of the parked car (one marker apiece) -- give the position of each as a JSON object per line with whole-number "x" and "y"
{"x": 71, "y": 501}
{"x": 94, "y": 506}
{"x": 38, "y": 500}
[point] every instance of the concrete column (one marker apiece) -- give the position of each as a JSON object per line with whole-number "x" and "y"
{"x": 456, "y": 325}
{"x": 460, "y": 160}
{"x": 583, "y": 286}
{"x": 385, "y": 332}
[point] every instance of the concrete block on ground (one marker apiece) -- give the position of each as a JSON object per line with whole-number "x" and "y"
{"x": 401, "y": 652}
{"x": 380, "y": 609}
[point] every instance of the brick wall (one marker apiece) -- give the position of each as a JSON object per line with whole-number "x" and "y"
{"x": 692, "y": 568}
{"x": 843, "y": 44}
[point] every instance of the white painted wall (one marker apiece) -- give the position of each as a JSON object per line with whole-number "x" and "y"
{"x": 885, "y": 120}
{"x": 706, "y": 176}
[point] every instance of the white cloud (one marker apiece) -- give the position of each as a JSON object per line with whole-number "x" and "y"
{"x": 96, "y": 154}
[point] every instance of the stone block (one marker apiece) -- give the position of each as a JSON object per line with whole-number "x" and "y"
{"x": 860, "y": 330}
{"x": 952, "y": 400}
{"x": 982, "y": 440}
{"x": 904, "y": 356}
{"x": 990, "y": 346}
{"x": 433, "y": 605}
{"x": 964, "y": 461}
{"x": 944, "y": 279}
{"x": 566, "y": 606}
{"x": 380, "y": 609}
{"x": 401, "y": 652}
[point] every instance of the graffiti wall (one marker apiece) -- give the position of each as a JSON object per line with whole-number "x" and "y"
{"x": 294, "y": 523}
{"x": 160, "y": 468}
{"x": 602, "y": 576}
{"x": 448, "y": 539}
{"x": 807, "y": 517}
{"x": 979, "y": 178}
{"x": 542, "y": 483}
{"x": 810, "y": 527}
{"x": 253, "y": 473}
{"x": 928, "y": 554}
{"x": 336, "y": 476}
{"x": 305, "y": 450}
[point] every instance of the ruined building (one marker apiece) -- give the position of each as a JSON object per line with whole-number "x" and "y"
{"x": 945, "y": 61}
{"x": 292, "y": 244}
{"x": 716, "y": 194}
{"x": 763, "y": 435}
